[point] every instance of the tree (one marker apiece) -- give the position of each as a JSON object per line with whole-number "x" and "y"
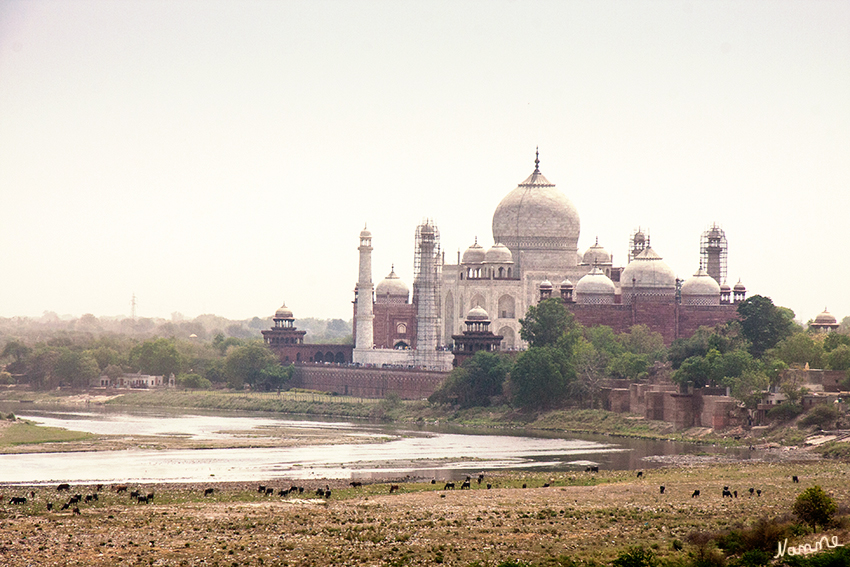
{"x": 540, "y": 377}
{"x": 764, "y": 324}
{"x": 18, "y": 352}
{"x": 193, "y": 382}
{"x": 815, "y": 507}
{"x": 636, "y": 557}
{"x": 838, "y": 358}
{"x": 800, "y": 349}
{"x": 158, "y": 357}
{"x": 545, "y": 323}
{"x": 245, "y": 364}
{"x": 481, "y": 378}
{"x": 75, "y": 369}
{"x": 822, "y": 415}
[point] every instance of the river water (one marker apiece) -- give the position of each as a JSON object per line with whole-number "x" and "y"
{"x": 443, "y": 453}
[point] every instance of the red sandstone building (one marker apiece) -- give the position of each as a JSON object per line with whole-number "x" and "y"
{"x": 288, "y": 343}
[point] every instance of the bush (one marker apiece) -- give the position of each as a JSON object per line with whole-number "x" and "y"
{"x": 815, "y": 507}
{"x": 6, "y": 378}
{"x": 193, "y": 382}
{"x": 785, "y": 411}
{"x": 822, "y": 415}
{"x": 636, "y": 557}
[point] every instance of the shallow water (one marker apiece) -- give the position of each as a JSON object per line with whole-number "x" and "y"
{"x": 426, "y": 452}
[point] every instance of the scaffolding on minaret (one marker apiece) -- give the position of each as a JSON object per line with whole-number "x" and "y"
{"x": 713, "y": 252}
{"x": 427, "y": 278}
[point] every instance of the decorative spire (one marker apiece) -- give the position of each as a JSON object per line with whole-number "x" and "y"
{"x": 597, "y": 241}
{"x": 537, "y": 160}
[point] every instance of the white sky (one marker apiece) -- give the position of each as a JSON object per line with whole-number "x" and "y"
{"x": 220, "y": 157}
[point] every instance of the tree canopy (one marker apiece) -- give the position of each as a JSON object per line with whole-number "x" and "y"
{"x": 764, "y": 324}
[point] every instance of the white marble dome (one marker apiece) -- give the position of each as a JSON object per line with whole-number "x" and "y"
{"x": 648, "y": 270}
{"x": 536, "y": 215}
{"x": 392, "y": 286}
{"x": 474, "y": 254}
{"x": 595, "y": 287}
{"x": 498, "y": 254}
{"x": 283, "y": 312}
{"x": 477, "y": 314}
{"x": 701, "y": 289}
{"x": 596, "y": 255}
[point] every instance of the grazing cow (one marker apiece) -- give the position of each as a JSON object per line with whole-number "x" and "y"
{"x": 150, "y": 496}
{"x": 18, "y": 500}
{"x": 65, "y": 506}
{"x": 661, "y": 489}
{"x": 209, "y": 492}
{"x": 142, "y": 499}
{"x": 355, "y": 484}
{"x": 594, "y": 468}
{"x": 480, "y": 478}
{"x": 758, "y": 492}
{"x": 795, "y": 479}
{"x": 261, "y": 489}
{"x": 98, "y": 488}
{"x": 320, "y": 492}
{"x": 121, "y": 488}
{"x": 489, "y": 486}
{"x": 77, "y": 511}
{"x": 32, "y": 493}
{"x": 751, "y": 491}
{"x": 135, "y": 494}
{"x": 75, "y": 498}
{"x": 269, "y": 491}
{"x": 546, "y": 485}
{"x": 466, "y": 484}
{"x": 726, "y": 492}
{"x": 433, "y": 481}
{"x": 393, "y": 488}
{"x": 94, "y": 496}
{"x": 695, "y": 494}
{"x": 63, "y": 486}
{"x": 640, "y": 474}
{"x": 327, "y": 493}
{"x": 88, "y": 498}
{"x": 449, "y": 485}
{"x": 49, "y": 506}
{"x": 524, "y": 485}
{"x": 735, "y": 493}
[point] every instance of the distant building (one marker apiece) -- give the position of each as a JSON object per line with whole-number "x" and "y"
{"x": 535, "y": 231}
{"x": 825, "y": 322}
{"x": 288, "y": 343}
{"x": 137, "y": 380}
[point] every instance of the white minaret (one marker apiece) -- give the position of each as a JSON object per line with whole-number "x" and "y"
{"x": 364, "y": 338}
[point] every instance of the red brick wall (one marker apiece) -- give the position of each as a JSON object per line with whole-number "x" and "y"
{"x": 672, "y": 321}
{"x": 368, "y": 382}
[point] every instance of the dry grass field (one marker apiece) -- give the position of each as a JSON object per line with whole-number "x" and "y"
{"x": 585, "y": 516}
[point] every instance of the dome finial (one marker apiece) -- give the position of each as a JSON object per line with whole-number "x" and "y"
{"x": 597, "y": 241}
{"x": 537, "y": 160}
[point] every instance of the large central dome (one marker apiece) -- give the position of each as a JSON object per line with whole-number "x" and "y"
{"x": 536, "y": 216}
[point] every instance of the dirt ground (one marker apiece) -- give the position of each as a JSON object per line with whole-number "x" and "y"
{"x": 582, "y": 515}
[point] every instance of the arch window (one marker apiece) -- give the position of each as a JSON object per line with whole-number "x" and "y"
{"x": 507, "y": 307}
{"x": 401, "y": 329}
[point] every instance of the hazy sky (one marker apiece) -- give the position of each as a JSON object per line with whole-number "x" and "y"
{"x": 221, "y": 157}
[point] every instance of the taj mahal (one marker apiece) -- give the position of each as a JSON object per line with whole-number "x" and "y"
{"x": 534, "y": 256}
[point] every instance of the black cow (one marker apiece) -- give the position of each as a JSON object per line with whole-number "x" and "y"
{"x": 393, "y": 488}
{"x": 795, "y": 479}
{"x": 661, "y": 489}
{"x": 449, "y": 485}
{"x": 466, "y": 484}
{"x": 640, "y": 474}
{"x": 752, "y": 490}
{"x": 695, "y": 494}
{"x": 355, "y": 484}
{"x": 63, "y": 486}
{"x": 18, "y": 500}
{"x": 209, "y": 491}
{"x": 49, "y": 506}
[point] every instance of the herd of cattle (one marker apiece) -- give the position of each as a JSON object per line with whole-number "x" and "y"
{"x": 137, "y": 496}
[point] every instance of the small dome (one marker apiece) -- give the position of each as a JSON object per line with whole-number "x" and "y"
{"x": 826, "y": 318}
{"x": 498, "y": 254}
{"x": 648, "y": 270}
{"x": 545, "y": 284}
{"x": 739, "y": 287}
{"x": 596, "y": 255}
{"x": 701, "y": 284}
{"x": 365, "y": 233}
{"x": 392, "y": 286}
{"x": 474, "y": 254}
{"x": 595, "y": 287}
{"x": 724, "y": 287}
{"x": 567, "y": 284}
{"x": 477, "y": 314}
{"x": 283, "y": 312}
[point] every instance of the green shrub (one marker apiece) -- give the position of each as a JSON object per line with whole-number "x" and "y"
{"x": 636, "y": 557}
{"x": 815, "y": 507}
{"x": 822, "y": 415}
{"x": 193, "y": 382}
{"x": 785, "y": 411}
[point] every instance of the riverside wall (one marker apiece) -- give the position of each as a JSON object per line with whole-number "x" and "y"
{"x": 370, "y": 382}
